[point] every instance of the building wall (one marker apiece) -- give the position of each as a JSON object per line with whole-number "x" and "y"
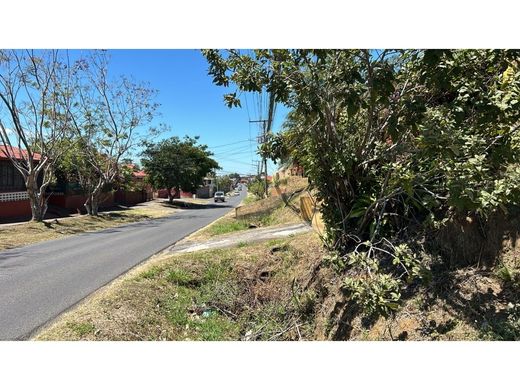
{"x": 13, "y": 209}
{"x": 130, "y": 197}
{"x": 205, "y": 192}
{"x": 75, "y": 203}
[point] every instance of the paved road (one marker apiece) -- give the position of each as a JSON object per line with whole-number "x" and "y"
{"x": 39, "y": 281}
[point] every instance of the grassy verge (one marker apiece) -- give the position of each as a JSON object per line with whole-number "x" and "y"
{"x": 32, "y": 232}
{"x": 281, "y": 290}
{"x": 260, "y": 213}
{"x": 251, "y": 292}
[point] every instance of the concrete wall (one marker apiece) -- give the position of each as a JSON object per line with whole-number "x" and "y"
{"x": 130, "y": 197}
{"x": 75, "y": 202}
{"x": 19, "y": 208}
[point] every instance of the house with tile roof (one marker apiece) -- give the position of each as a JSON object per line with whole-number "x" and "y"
{"x": 14, "y": 201}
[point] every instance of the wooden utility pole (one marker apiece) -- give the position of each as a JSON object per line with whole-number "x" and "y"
{"x": 262, "y": 138}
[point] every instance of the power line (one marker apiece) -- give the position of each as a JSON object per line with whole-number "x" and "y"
{"x": 233, "y": 150}
{"x": 232, "y": 143}
{"x": 234, "y": 161}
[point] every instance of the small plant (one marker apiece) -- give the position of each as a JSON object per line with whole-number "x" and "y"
{"x": 377, "y": 295}
{"x": 377, "y": 275}
{"x": 181, "y": 277}
{"x": 81, "y": 328}
{"x": 152, "y": 273}
{"x": 507, "y": 275}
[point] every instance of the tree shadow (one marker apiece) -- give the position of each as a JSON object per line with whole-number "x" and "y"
{"x": 483, "y": 309}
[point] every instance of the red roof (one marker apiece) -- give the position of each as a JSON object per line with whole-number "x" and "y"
{"x": 18, "y": 154}
{"x": 139, "y": 174}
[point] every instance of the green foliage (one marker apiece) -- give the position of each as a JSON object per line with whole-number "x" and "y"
{"x": 126, "y": 179}
{"x": 389, "y": 136}
{"x": 224, "y": 183}
{"x": 379, "y": 294}
{"x": 394, "y": 142}
{"x": 257, "y": 188}
{"x": 378, "y": 274}
{"x": 176, "y": 163}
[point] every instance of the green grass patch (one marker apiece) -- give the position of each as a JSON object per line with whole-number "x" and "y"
{"x": 81, "y": 329}
{"x": 152, "y": 273}
{"x": 228, "y": 226}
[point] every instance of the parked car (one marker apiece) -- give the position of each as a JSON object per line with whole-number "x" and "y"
{"x": 219, "y": 196}
{"x": 236, "y": 192}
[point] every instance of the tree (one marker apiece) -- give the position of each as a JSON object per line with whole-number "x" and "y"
{"x": 396, "y": 143}
{"x": 257, "y": 188}
{"x": 76, "y": 164}
{"x": 176, "y": 163}
{"x": 107, "y": 116}
{"x": 34, "y": 117}
{"x": 224, "y": 183}
{"x": 367, "y": 126}
{"x": 235, "y": 176}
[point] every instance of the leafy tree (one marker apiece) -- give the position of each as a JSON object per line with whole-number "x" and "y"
{"x": 395, "y": 142}
{"x": 76, "y": 164}
{"x": 34, "y": 116}
{"x": 224, "y": 183}
{"x": 107, "y": 116}
{"x": 257, "y": 187}
{"x": 177, "y": 163}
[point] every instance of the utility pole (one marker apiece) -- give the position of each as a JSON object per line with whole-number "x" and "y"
{"x": 267, "y": 131}
{"x": 262, "y": 138}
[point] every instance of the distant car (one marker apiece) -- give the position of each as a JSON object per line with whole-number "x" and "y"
{"x": 236, "y": 192}
{"x": 219, "y": 196}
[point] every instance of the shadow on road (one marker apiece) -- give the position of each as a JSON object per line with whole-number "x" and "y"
{"x": 188, "y": 205}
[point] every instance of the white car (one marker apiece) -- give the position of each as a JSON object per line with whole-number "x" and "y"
{"x": 219, "y": 197}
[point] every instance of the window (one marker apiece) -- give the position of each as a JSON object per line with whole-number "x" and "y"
{"x": 10, "y": 178}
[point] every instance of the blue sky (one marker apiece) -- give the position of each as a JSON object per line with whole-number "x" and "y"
{"x": 192, "y": 105}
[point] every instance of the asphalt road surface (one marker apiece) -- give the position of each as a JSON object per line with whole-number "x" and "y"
{"x": 40, "y": 281}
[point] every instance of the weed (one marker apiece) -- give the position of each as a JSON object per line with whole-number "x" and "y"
{"x": 182, "y": 277}
{"x": 506, "y": 274}
{"x": 81, "y": 329}
{"x": 151, "y": 273}
{"x": 216, "y": 327}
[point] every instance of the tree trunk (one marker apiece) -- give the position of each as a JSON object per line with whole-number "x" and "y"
{"x": 170, "y": 196}
{"x": 36, "y": 199}
{"x": 94, "y": 205}
{"x": 93, "y": 199}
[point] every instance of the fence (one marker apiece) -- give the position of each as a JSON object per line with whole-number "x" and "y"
{"x": 13, "y": 196}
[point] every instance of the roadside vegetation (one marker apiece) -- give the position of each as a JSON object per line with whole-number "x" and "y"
{"x": 283, "y": 290}
{"x": 255, "y": 211}
{"x": 289, "y": 289}
{"x": 250, "y": 292}
{"x": 413, "y": 158}
{"x": 26, "y": 233}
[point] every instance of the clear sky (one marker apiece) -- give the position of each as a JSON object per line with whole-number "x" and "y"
{"x": 192, "y": 105}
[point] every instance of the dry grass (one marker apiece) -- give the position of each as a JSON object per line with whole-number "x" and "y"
{"x": 260, "y": 213}
{"x": 17, "y": 235}
{"x": 279, "y": 290}
{"x": 253, "y": 292}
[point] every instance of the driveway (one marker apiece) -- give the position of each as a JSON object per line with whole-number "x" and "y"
{"x": 39, "y": 281}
